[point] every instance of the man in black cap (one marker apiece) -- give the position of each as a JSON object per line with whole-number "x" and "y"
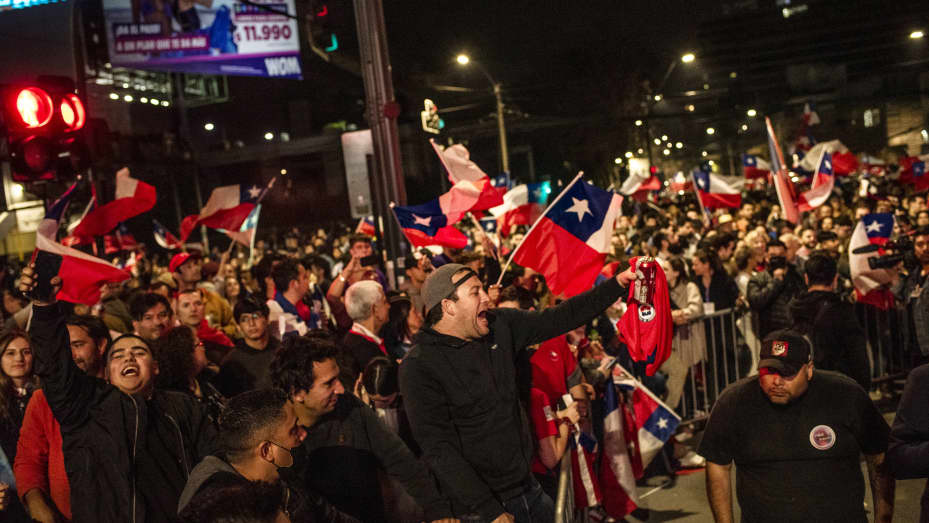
{"x": 796, "y": 435}
{"x": 460, "y": 393}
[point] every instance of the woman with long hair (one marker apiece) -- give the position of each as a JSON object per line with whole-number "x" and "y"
{"x": 17, "y": 383}
{"x": 403, "y": 322}
{"x": 183, "y": 367}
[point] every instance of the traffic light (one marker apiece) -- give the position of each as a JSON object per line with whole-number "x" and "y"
{"x": 44, "y": 127}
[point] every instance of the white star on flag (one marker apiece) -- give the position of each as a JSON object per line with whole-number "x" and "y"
{"x": 662, "y": 423}
{"x": 874, "y": 227}
{"x": 418, "y": 220}
{"x": 828, "y": 165}
{"x": 537, "y": 193}
{"x": 580, "y": 207}
{"x": 254, "y": 192}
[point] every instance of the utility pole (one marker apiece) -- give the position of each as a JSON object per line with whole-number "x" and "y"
{"x": 501, "y": 130}
{"x": 383, "y": 110}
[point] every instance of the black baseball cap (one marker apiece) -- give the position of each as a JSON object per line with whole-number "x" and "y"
{"x": 785, "y": 351}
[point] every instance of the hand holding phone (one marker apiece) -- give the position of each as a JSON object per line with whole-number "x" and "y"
{"x": 46, "y": 266}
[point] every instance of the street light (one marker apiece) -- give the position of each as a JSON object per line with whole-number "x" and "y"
{"x": 628, "y": 154}
{"x": 209, "y": 126}
{"x": 269, "y": 136}
{"x": 638, "y": 123}
{"x": 917, "y": 34}
{"x": 710, "y": 131}
{"x": 751, "y": 113}
{"x": 465, "y": 60}
{"x": 687, "y": 58}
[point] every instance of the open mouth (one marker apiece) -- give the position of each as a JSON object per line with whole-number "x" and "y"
{"x": 130, "y": 371}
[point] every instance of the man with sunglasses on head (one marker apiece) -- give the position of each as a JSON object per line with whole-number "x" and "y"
{"x": 128, "y": 447}
{"x": 460, "y": 388}
{"x": 796, "y": 436}
{"x": 247, "y": 366}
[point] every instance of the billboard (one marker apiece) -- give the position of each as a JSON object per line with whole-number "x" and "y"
{"x": 222, "y": 37}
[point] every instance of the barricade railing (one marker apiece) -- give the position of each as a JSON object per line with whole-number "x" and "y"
{"x": 719, "y": 348}
{"x": 564, "y": 499}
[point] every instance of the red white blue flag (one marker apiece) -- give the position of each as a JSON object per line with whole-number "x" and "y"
{"x": 164, "y": 238}
{"x": 655, "y": 421}
{"x": 823, "y": 183}
{"x": 871, "y": 285}
{"x": 427, "y": 224}
{"x": 366, "y": 226}
{"x": 132, "y": 199}
{"x": 569, "y": 243}
{"x": 618, "y": 470}
{"x": 82, "y": 275}
{"x": 754, "y": 167}
{"x": 716, "y": 191}
{"x": 227, "y": 208}
{"x": 782, "y": 183}
{"x": 522, "y": 205}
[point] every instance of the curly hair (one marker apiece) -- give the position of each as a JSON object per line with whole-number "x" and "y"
{"x": 292, "y": 367}
{"x": 174, "y": 352}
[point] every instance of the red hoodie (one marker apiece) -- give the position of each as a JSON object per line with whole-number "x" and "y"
{"x": 40, "y": 462}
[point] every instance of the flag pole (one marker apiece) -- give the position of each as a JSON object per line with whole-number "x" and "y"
{"x": 482, "y": 231}
{"x": 539, "y": 220}
{"x": 706, "y": 218}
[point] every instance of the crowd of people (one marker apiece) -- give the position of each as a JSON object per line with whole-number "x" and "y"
{"x": 305, "y": 384}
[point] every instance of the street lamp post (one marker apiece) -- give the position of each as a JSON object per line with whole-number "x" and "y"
{"x": 464, "y": 59}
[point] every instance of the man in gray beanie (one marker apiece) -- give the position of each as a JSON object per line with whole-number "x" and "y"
{"x": 459, "y": 390}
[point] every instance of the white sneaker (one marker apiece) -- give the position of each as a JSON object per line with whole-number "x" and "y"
{"x": 692, "y": 460}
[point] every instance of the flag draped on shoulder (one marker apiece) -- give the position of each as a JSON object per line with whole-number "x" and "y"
{"x": 871, "y": 233}
{"x": 227, "y": 208}
{"x": 427, "y": 224}
{"x": 522, "y": 205}
{"x": 133, "y": 198}
{"x": 823, "y": 183}
{"x": 716, "y": 191}
{"x": 569, "y": 243}
{"x": 782, "y": 183}
{"x": 82, "y": 275}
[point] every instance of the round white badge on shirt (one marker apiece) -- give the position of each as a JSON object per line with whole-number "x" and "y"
{"x": 822, "y": 437}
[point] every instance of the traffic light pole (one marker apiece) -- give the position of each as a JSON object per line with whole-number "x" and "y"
{"x": 382, "y": 111}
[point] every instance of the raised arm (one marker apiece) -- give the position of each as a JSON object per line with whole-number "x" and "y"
{"x": 68, "y": 390}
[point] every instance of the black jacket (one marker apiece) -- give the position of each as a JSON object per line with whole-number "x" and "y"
{"x": 127, "y": 457}
{"x": 838, "y": 341}
{"x": 770, "y": 298}
{"x": 462, "y": 400}
{"x": 908, "y": 453}
{"x": 343, "y": 454}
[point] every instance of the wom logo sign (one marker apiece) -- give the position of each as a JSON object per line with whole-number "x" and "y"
{"x": 282, "y": 66}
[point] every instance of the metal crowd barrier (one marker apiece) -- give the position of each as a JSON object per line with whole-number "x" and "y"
{"x": 732, "y": 348}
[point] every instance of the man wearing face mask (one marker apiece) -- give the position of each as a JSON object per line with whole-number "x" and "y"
{"x": 259, "y": 429}
{"x": 771, "y": 290}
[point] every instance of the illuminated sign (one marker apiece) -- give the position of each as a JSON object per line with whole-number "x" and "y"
{"x": 21, "y": 4}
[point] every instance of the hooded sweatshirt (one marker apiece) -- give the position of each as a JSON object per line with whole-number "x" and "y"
{"x": 839, "y": 343}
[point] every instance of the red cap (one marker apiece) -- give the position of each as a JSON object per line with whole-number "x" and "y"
{"x": 180, "y": 258}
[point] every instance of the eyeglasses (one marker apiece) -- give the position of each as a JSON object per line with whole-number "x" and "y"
{"x": 245, "y": 318}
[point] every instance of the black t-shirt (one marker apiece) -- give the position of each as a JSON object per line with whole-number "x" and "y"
{"x": 245, "y": 368}
{"x": 798, "y": 462}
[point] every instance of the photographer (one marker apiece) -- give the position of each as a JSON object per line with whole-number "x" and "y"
{"x": 770, "y": 291}
{"x": 914, "y": 293}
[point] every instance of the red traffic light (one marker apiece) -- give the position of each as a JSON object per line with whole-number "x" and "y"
{"x": 72, "y": 112}
{"x": 34, "y": 106}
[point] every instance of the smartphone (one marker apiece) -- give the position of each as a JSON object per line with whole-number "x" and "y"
{"x": 369, "y": 261}
{"x": 47, "y": 266}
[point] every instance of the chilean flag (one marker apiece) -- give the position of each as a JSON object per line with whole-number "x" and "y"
{"x": 227, "y": 208}
{"x": 427, "y": 224}
{"x": 655, "y": 421}
{"x": 782, "y": 184}
{"x": 638, "y": 185}
{"x": 246, "y": 232}
{"x": 913, "y": 171}
{"x": 472, "y": 189}
{"x": 82, "y": 274}
{"x": 132, "y": 199}
{"x": 366, "y": 226}
{"x": 754, "y": 167}
{"x": 617, "y": 468}
{"x": 522, "y": 205}
{"x": 823, "y": 183}
{"x": 164, "y": 238}
{"x": 870, "y": 234}
{"x": 569, "y": 243}
{"x": 715, "y": 191}
{"x": 681, "y": 182}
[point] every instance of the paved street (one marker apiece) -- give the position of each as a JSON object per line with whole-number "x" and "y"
{"x": 686, "y": 501}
